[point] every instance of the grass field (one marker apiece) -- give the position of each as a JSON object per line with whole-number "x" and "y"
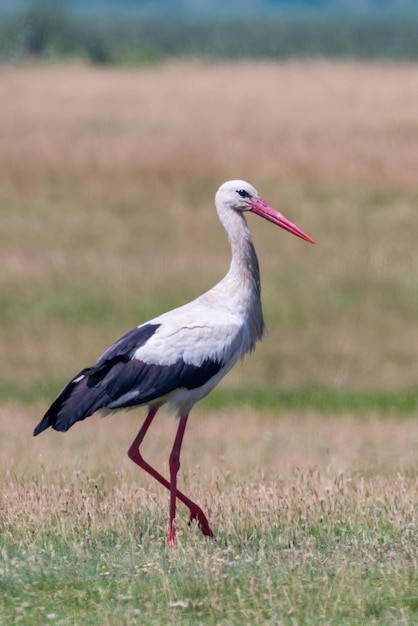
{"x": 306, "y": 458}
{"x": 315, "y": 521}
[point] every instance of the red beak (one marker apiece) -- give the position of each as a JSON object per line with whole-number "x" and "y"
{"x": 261, "y": 208}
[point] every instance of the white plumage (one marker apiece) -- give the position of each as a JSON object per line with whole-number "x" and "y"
{"x": 180, "y": 356}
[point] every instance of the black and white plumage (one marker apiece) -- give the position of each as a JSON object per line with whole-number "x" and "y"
{"x": 180, "y": 356}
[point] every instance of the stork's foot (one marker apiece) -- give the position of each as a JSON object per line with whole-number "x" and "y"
{"x": 197, "y": 514}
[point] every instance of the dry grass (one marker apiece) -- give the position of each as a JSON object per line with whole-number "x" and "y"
{"x": 221, "y": 451}
{"x": 238, "y": 440}
{"x": 90, "y": 161}
{"x": 229, "y": 459}
{"x": 316, "y": 121}
{"x": 314, "y": 517}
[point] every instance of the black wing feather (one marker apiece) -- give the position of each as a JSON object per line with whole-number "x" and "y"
{"x": 118, "y": 381}
{"x": 79, "y": 399}
{"x": 135, "y": 382}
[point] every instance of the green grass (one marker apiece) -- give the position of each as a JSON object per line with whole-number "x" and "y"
{"x": 318, "y": 560}
{"x": 207, "y": 586}
{"x": 321, "y": 399}
{"x": 338, "y": 314}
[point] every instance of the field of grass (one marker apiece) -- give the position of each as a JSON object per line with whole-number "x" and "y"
{"x": 305, "y": 459}
{"x": 315, "y": 520}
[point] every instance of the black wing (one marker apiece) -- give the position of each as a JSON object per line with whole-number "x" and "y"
{"x": 118, "y": 381}
{"x": 75, "y": 402}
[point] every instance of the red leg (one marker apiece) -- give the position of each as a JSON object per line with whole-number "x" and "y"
{"x": 174, "y": 468}
{"x": 134, "y": 454}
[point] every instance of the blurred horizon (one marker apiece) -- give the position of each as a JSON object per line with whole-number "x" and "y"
{"x": 216, "y": 8}
{"x": 105, "y": 32}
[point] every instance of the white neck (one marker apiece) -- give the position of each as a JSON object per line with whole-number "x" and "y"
{"x": 243, "y": 278}
{"x": 244, "y": 262}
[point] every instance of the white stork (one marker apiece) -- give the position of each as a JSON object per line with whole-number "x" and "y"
{"x": 180, "y": 356}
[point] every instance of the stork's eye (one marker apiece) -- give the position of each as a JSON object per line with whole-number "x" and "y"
{"x": 243, "y": 193}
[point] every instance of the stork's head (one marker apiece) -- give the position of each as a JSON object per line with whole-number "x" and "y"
{"x": 240, "y": 196}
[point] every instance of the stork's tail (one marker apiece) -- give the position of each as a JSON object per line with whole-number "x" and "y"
{"x": 73, "y": 404}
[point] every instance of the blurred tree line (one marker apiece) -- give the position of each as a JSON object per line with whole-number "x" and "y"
{"x": 49, "y": 29}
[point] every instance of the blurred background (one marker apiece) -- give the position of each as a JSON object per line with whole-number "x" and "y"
{"x": 118, "y": 122}
{"x": 137, "y": 31}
